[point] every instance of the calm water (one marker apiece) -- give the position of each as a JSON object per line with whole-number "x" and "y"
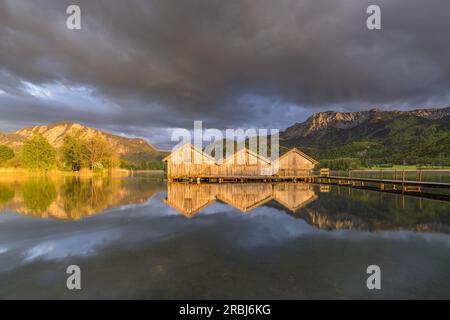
{"x": 138, "y": 238}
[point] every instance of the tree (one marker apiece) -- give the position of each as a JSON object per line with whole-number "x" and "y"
{"x": 112, "y": 162}
{"x": 6, "y": 153}
{"x": 74, "y": 152}
{"x": 98, "y": 152}
{"x": 38, "y": 153}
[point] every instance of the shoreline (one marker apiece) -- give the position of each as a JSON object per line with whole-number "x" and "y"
{"x": 54, "y": 172}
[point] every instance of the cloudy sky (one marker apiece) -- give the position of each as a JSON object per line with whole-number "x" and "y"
{"x": 142, "y": 68}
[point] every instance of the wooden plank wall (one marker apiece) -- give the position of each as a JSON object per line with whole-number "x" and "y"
{"x": 243, "y": 164}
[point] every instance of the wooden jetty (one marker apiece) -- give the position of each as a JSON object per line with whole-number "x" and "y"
{"x": 189, "y": 163}
{"x": 424, "y": 189}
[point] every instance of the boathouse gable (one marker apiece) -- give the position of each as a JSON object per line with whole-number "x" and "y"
{"x": 294, "y": 163}
{"x": 188, "y": 162}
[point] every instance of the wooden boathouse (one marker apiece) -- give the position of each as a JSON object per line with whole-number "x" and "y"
{"x": 189, "y": 163}
{"x": 245, "y": 162}
{"x": 294, "y": 163}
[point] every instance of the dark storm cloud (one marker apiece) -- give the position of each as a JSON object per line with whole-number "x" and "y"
{"x": 230, "y": 63}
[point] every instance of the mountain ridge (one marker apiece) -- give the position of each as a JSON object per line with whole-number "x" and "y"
{"x": 420, "y": 135}
{"x": 348, "y": 120}
{"x": 130, "y": 149}
{"x": 375, "y": 135}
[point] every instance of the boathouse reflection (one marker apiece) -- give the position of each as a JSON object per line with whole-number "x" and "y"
{"x": 189, "y": 199}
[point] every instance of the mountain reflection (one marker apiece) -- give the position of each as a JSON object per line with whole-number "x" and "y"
{"x": 324, "y": 207}
{"x": 334, "y": 209}
{"x": 71, "y": 198}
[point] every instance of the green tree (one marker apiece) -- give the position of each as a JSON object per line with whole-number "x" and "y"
{"x": 98, "y": 152}
{"x": 74, "y": 152}
{"x": 38, "y": 153}
{"x": 6, "y": 153}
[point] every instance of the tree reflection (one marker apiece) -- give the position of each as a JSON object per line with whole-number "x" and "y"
{"x": 72, "y": 197}
{"x": 85, "y": 197}
{"x": 38, "y": 194}
{"x": 6, "y": 194}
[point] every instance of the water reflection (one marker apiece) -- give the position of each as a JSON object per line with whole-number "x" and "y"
{"x": 324, "y": 207}
{"x": 247, "y": 241}
{"x": 71, "y": 198}
{"x": 189, "y": 199}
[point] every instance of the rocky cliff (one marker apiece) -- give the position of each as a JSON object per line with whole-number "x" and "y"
{"x": 127, "y": 148}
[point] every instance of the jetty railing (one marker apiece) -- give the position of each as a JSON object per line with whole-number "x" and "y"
{"x": 430, "y": 175}
{"x": 395, "y": 181}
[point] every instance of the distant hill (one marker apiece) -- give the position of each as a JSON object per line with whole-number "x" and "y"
{"x": 376, "y": 136}
{"x": 133, "y": 150}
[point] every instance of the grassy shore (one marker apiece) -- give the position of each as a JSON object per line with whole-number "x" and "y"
{"x": 408, "y": 167}
{"x": 56, "y": 172}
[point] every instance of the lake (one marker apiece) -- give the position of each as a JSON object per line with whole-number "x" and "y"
{"x": 142, "y": 238}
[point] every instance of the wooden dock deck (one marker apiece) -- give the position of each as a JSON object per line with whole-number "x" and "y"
{"x": 317, "y": 178}
{"x": 423, "y": 189}
{"x": 404, "y": 187}
{"x": 245, "y": 178}
{"x": 403, "y": 183}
